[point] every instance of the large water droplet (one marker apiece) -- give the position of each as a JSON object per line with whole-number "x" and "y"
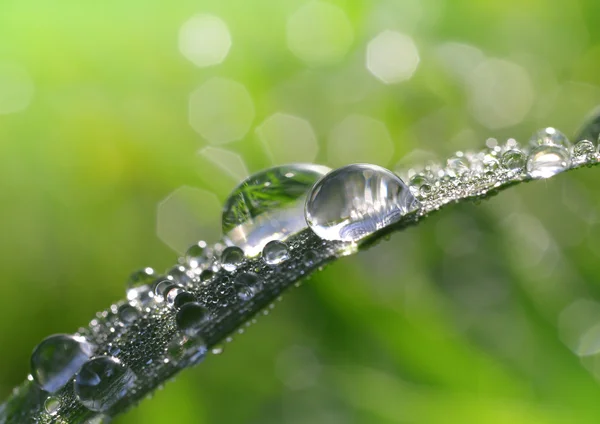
{"x": 549, "y": 137}
{"x": 269, "y": 206}
{"x": 275, "y": 252}
{"x": 247, "y": 284}
{"x": 546, "y": 161}
{"x": 190, "y": 317}
{"x": 231, "y": 258}
{"x": 102, "y": 382}
{"x": 355, "y": 201}
{"x": 177, "y": 297}
{"x": 514, "y": 160}
{"x": 186, "y": 351}
{"x": 56, "y": 360}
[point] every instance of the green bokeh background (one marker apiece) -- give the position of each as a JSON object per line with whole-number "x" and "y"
{"x": 457, "y": 321}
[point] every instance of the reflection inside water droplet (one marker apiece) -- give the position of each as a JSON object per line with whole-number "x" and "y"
{"x": 269, "y": 206}
{"x": 275, "y": 252}
{"x": 102, "y": 382}
{"x": 546, "y": 161}
{"x": 355, "y": 201}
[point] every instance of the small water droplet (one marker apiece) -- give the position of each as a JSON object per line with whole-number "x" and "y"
{"x": 180, "y": 275}
{"x": 457, "y": 165}
{"x": 355, "y": 201}
{"x": 102, "y": 382}
{"x": 275, "y": 252}
{"x": 217, "y": 350}
{"x": 186, "y": 351}
{"x": 583, "y": 148}
{"x": 190, "y": 317}
{"x": 310, "y": 258}
{"x": 195, "y": 256}
{"x": 56, "y": 360}
{"x": 138, "y": 285}
{"x": 206, "y": 275}
{"x": 549, "y": 137}
{"x": 178, "y": 297}
{"x": 514, "y": 160}
{"x": 127, "y": 313}
{"x": 51, "y": 405}
{"x": 162, "y": 287}
{"x": 546, "y": 161}
{"x": 421, "y": 185}
{"x": 247, "y": 284}
{"x": 269, "y": 205}
{"x": 231, "y": 258}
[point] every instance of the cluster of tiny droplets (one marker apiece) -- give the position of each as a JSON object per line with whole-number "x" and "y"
{"x": 170, "y": 321}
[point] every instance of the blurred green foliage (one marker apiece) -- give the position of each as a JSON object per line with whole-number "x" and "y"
{"x": 461, "y": 320}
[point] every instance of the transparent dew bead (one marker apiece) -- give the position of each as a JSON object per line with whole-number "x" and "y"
{"x": 186, "y": 351}
{"x": 421, "y": 185}
{"x": 514, "y": 160}
{"x": 546, "y": 161}
{"x": 247, "y": 284}
{"x": 138, "y": 285}
{"x": 195, "y": 255}
{"x": 206, "y": 276}
{"x": 275, "y": 252}
{"x": 357, "y": 200}
{"x": 231, "y": 258}
{"x": 457, "y": 165}
{"x": 162, "y": 287}
{"x": 583, "y": 148}
{"x": 310, "y": 258}
{"x": 549, "y": 137}
{"x": 190, "y": 318}
{"x": 180, "y": 275}
{"x": 52, "y": 405}
{"x": 127, "y": 313}
{"x": 102, "y": 382}
{"x": 178, "y": 297}
{"x": 269, "y": 205}
{"x": 56, "y": 360}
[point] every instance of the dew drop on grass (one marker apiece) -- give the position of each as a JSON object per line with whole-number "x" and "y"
{"x": 190, "y": 317}
{"x": 138, "y": 285}
{"x": 51, "y": 405}
{"x": 275, "y": 252}
{"x": 56, "y": 360}
{"x": 102, "y": 382}
{"x": 247, "y": 284}
{"x": 547, "y": 160}
{"x": 355, "y": 201}
{"x": 231, "y": 258}
{"x": 549, "y": 137}
{"x": 584, "y": 148}
{"x": 195, "y": 256}
{"x": 186, "y": 351}
{"x": 514, "y": 160}
{"x": 127, "y": 313}
{"x": 269, "y": 206}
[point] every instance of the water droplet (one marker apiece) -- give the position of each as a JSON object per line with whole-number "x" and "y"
{"x": 247, "y": 284}
{"x": 180, "y": 275}
{"x": 206, "y": 275}
{"x": 583, "y": 148}
{"x": 162, "y": 287}
{"x": 549, "y": 137}
{"x": 186, "y": 351}
{"x": 310, "y": 258}
{"x": 421, "y": 185}
{"x": 217, "y": 350}
{"x": 355, "y": 201}
{"x": 177, "y": 297}
{"x": 457, "y": 165}
{"x": 128, "y": 313}
{"x": 546, "y": 161}
{"x": 269, "y": 205}
{"x": 51, "y": 405}
{"x": 514, "y": 160}
{"x": 102, "y": 382}
{"x": 275, "y": 252}
{"x": 138, "y": 285}
{"x": 190, "y": 317}
{"x": 56, "y": 360}
{"x": 231, "y": 258}
{"x": 195, "y": 255}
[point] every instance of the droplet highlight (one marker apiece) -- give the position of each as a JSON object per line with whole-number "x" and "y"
{"x": 546, "y": 161}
